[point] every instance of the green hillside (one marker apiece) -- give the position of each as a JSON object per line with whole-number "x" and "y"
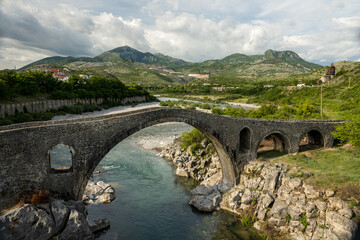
{"x": 271, "y": 64}
{"x": 57, "y": 60}
{"x": 341, "y": 97}
{"x": 158, "y": 70}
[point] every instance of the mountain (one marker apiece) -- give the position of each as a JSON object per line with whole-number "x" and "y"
{"x": 131, "y": 54}
{"x": 57, "y": 60}
{"x": 290, "y": 57}
{"x": 133, "y": 66}
{"x": 271, "y": 64}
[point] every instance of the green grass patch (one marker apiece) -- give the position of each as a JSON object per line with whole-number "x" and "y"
{"x": 303, "y": 220}
{"x": 336, "y": 169}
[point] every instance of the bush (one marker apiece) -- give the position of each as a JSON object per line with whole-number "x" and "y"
{"x": 192, "y": 138}
{"x": 349, "y": 132}
{"x": 205, "y": 106}
{"x": 194, "y": 147}
{"x": 217, "y": 110}
{"x": 40, "y": 197}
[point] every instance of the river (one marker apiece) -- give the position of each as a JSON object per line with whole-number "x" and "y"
{"x": 151, "y": 202}
{"x": 139, "y": 106}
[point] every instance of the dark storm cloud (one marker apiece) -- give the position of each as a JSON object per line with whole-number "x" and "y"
{"x": 26, "y": 28}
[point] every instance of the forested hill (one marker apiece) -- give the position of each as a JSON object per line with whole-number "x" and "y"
{"x": 26, "y": 84}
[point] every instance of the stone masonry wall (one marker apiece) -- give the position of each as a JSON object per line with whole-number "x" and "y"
{"x": 43, "y": 106}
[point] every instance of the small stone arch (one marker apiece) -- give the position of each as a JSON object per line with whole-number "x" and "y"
{"x": 245, "y": 140}
{"x": 60, "y": 158}
{"x": 310, "y": 140}
{"x": 273, "y": 142}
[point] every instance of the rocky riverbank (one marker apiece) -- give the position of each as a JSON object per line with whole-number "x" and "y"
{"x": 202, "y": 164}
{"x": 48, "y": 218}
{"x": 55, "y": 219}
{"x": 279, "y": 205}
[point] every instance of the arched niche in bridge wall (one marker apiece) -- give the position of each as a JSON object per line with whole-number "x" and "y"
{"x": 311, "y": 140}
{"x": 227, "y": 166}
{"x": 273, "y": 144}
{"x": 245, "y": 140}
{"x": 60, "y": 158}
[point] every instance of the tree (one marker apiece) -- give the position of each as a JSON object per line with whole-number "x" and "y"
{"x": 349, "y": 132}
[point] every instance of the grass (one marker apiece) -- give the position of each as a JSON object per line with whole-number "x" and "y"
{"x": 337, "y": 169}
{"x": 303, "y": 220}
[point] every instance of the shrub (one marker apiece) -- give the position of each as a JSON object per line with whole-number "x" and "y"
{"x": 194, "y": 147}
{"x": 247, "y": 221}
{"x": 205, "y": 106}
{"x": 40, "y": 197}
{"x": 189, "y": 138}
{"x": 349, "y": 132}
{"x": 217, "y": 110}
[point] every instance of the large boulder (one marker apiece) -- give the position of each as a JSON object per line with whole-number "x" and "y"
{"x": 279, "y": 209}
{"x": 56, "y": 219}
{"x": 77, "y": 227}
{"x": 98, "y": 192}
{"x": 342, "y": 227}
{"x": 205, "y": 198}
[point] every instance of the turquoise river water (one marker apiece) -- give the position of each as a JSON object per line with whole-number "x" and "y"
{"x": 151, "y": 202}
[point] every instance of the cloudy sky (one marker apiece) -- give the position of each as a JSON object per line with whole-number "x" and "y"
{"x": 320, "y": 31}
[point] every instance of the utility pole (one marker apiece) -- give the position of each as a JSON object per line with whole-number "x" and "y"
{"x": 321, "y": 100}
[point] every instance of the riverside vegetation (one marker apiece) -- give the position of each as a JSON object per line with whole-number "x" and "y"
{"x": 30, "y": 86}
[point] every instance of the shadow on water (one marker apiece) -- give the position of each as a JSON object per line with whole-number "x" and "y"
{"x": 357, "y": 234}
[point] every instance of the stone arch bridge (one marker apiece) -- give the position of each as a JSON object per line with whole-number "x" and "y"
{"x": 25, "y": 148}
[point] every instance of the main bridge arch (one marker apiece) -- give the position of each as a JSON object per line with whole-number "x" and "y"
{"x": 25, "y": 165}
{"x": 227, "y": 165}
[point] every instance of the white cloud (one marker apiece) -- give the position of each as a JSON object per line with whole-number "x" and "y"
{"x": 348, "y": 22}
{"x": 198, "y": 38}
{"x": 320, "y": 31}
{"x": 111, "y": 32}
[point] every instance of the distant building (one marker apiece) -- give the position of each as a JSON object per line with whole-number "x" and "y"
{"x": 332, "y": 70}
{"x": 268, "y": 86}
{"x": 329, "y": 74}
{"x": 62, "y": 78}
{"x": 207, "y": 84}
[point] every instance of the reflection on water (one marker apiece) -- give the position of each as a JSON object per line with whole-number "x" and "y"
{"x": 151, "y": 202}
